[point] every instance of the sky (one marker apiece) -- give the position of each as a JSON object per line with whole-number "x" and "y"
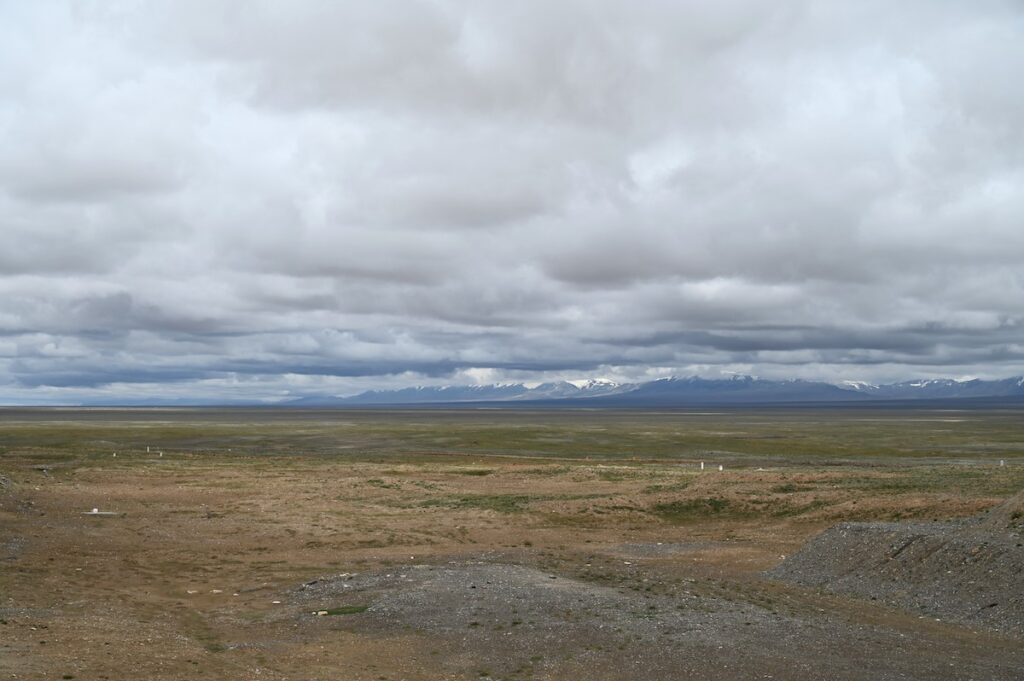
{"x": 204, "y": 199}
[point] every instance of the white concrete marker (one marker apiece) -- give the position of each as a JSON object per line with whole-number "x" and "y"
{"x": 721, "y": 467}
{"x": 702, "y": 465}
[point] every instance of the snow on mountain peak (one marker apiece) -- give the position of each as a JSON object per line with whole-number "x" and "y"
{"x": 859, "y": 385}
{"x": 587, "y": 383}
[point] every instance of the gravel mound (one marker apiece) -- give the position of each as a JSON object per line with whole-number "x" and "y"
{"x": 516, "y": 619}
{"x": 479, "y": 599}
{"x": 1006, "y": 517}
{"x": 500, "y": 620}
{"x": 970, "y": 572}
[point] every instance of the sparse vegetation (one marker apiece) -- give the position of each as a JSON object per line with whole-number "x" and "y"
{"x": 347, "y": 610}
{"x": 501, "y": 503}
{"x": 257, "y": 502}
{"x": 692, "y": 509}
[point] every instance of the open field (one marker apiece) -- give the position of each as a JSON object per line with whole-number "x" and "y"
{"x": 477, "y": 544}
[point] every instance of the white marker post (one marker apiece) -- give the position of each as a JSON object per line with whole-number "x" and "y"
{"x": 702, "y": 465}
{"x": 721, "y": 467}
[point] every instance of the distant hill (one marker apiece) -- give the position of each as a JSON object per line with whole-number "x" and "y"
{"x": 943, "y": 388}
{"x": 450, "y": 394}
{"x": 679, "y": 391}
{"x": 736, "y": 390}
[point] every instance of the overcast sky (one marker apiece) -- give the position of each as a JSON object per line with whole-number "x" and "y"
{"x": 262, "y": 199}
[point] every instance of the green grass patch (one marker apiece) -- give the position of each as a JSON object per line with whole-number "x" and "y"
{"x": 790, "y": 488}
{"x": 266, "y": 437}
{"x": 545, "y": 471}
{"x": 692, "y": 509}
{"x": 347, "y": 610}
{"x": 382, "y": 484}
{"x": 501, "y": 503}
{"x": 793, "y": 511}
{"x": 666, "y": 487}
{"x": 617, "y": 475}
{"x": 965, "y": 480}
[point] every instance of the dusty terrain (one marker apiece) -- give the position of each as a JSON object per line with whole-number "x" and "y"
{"x": 468, "y": 546}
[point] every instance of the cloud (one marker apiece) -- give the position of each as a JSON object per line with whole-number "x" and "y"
{"x": 220, "y": 197}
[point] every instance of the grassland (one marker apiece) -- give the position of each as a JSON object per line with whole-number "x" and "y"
{"x": 222, "y": 514}
{"x": 737, "y": 436}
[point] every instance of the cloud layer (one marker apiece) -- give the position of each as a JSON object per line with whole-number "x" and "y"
{"x": 225, "y": 199}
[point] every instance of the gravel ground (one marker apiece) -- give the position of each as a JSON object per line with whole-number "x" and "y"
{"x": 512, "y": 619}
{"x": 970, "y": 572}
{"x": 11, "y": 549}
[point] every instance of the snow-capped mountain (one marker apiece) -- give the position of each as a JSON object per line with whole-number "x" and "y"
{"x": 859, "y": 386}
{"x": 947, "y": 388}
{"x": 682, "y": 391}
{"x": 595, "y": 384}
{"x": 503, "y": 392}
{"x": 737, "y": 389}
{"x": 576, "y": 389}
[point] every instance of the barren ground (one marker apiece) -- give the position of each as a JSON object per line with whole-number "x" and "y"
{"x": 469, "y": 545}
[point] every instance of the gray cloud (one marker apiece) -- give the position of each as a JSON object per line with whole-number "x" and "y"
{"x": 226, "y": 199}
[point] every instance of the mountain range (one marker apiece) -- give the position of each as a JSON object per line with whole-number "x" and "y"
{"x": 688, "y": 391}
